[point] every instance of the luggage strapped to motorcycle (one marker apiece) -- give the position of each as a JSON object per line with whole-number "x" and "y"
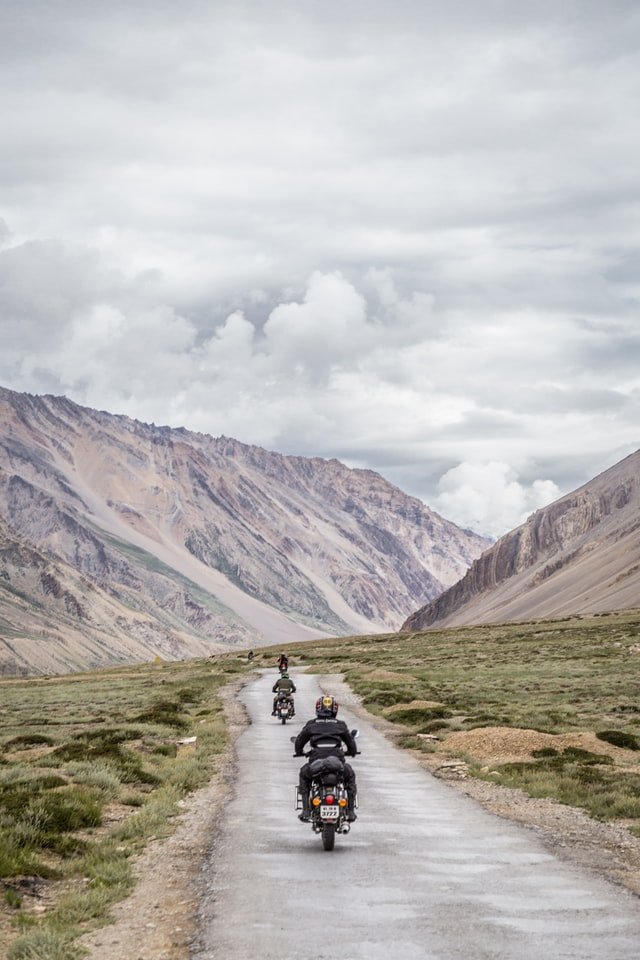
{"x": 326, "y": 765}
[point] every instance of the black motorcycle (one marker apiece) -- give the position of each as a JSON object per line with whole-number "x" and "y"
{"x": 328, "y": 802}
{"x": 285, "y": 709}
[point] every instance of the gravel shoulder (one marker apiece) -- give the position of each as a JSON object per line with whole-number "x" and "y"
{"x": 158, "y": 921}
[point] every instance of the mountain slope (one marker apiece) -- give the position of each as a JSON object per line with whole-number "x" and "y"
{"x": 210, "y": 539}
{"x": 580, "y": 554}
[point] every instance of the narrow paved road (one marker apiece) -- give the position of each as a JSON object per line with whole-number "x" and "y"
{"x": 424, "y": 873}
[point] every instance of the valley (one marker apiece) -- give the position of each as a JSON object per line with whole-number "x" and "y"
{"x": 537, "y": 721}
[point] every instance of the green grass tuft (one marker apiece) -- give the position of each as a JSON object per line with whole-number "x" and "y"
{"x": 44, "y": 945}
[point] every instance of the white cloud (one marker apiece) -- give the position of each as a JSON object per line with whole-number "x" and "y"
{"x": 341, "y": 230}
{"x": 489, "y": 498}
{"x": 330, "y": 327}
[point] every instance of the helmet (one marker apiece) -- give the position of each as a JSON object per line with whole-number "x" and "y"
{"x": 284, "y": 675}
{"x": 326, "y": 707}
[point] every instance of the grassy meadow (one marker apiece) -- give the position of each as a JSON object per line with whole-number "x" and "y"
{"x": 91, "y": 767}
{"x": 573, "y": 676}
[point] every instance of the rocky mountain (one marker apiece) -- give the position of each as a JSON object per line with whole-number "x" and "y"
{"x": 121, "y": 540}
{"x": 580, "y": 554}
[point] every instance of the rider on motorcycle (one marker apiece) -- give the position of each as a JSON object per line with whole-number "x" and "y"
{"x": 283, "y": 687}
{"x": 283, "y": 663}
{"x": 326, "y": 736}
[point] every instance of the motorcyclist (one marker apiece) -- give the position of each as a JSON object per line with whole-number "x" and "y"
{"x": 326, "y": 736}
{"x": 283, "y": 687}
{"x": 283, "y": 662}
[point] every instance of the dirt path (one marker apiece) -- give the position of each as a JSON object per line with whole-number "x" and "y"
{"x": 158, "y": 922}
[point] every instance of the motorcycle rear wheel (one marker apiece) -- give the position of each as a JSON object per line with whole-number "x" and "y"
{"x": 284, "y": 719}
{"x": 328, "y": 836}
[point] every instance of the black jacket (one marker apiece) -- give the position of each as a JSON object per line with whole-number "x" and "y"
{"x": 325, "y": 738}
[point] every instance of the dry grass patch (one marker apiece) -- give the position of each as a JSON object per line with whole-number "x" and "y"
{"x": 412, "y": 705}
{"x": 497, "y": 745}
{"x": 388, "y": 675}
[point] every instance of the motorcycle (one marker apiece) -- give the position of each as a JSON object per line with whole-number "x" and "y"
{"x": 285, "y": 709}
{"x": 328, "y": 799}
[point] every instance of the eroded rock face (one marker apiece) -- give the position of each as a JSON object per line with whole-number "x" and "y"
{"x": 197, "y": 540}
{"x": 580, "y": 554}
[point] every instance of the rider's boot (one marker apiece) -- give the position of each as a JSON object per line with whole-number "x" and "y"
{"x": 351, "y": 808}
{"x": 305, "y": 816}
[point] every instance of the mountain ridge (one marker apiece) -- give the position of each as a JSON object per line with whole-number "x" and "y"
{"x": 284, "y": 547}
{"x": 580, "y": 554}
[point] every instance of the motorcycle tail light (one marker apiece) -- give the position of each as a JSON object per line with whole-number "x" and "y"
{"x": 342, "y": 802}
{"x": 329, "y": 798}
{"x": 316, "y": 801}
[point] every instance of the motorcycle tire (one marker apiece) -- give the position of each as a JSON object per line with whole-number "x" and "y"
{"x": 328, "y": 836}
{"x": 284, "y": 720}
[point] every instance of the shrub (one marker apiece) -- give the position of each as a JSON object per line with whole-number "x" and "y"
{"x": 29, "y": 740}
{"x": 165, "y": 749}
{"x": 97, "y": 776}
{"x": 619, "y": 739}
{"x": 110, "y": 735}
{"x": 16, "y": 859}
{"x": 132, "y": 800}
{"x": 152, "y": 817}
{"x": 23, "y": 777}
{"x": 15, "y": 798}
{"x": 386, "y": 698}
{"x": 432, "y": 725}
{"x": 577, "y": 755}
{"x": 409, "y": 742}
{"x": 165, "y": 712}
{"x": 12, "y": 898}
{"x": 487, "y": 720}
{"x": 62, "y": 811}
{"x": 127, "y": 764}
{"x": 66, "y": 844}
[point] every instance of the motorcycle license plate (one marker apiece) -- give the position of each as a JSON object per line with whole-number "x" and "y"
{"x": 329, "y": 813}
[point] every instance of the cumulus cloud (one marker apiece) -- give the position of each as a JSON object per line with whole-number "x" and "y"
{"x": 373, "y": 377}
{"x": 329, "y": 328}
{"x": 339, "y": 230}
{"x": 489, "y": 497}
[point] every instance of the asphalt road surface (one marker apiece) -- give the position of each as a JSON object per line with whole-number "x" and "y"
{"x": 425, "y": 872}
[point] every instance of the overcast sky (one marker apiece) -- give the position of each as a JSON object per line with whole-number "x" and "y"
{"x": 404, "y": 234}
